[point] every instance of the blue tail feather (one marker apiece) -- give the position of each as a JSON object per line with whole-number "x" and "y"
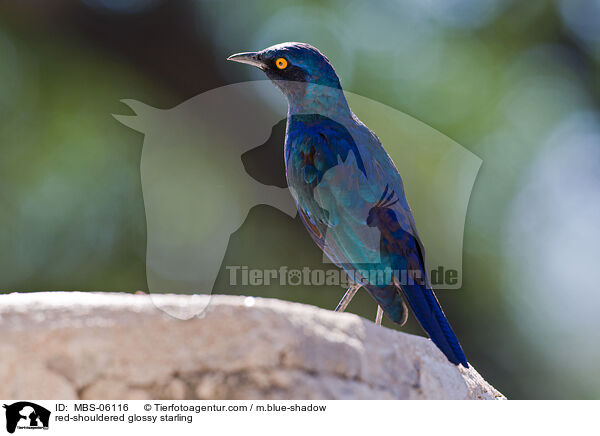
{"x": 428, "y": 312}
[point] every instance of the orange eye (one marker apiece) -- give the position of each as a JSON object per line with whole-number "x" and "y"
{"x": 281, "y": 63}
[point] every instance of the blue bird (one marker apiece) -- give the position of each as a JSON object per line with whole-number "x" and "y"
{"x": 349, "y": 193}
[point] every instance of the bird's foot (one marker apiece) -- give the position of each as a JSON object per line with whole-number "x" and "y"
{"x": 379, "y": 316}
{"x": 347, "y": 297}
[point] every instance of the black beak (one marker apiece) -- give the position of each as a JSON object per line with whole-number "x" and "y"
{"x": 250, "y": 58}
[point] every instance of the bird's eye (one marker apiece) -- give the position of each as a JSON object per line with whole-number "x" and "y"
{"x": 281, "y": 63}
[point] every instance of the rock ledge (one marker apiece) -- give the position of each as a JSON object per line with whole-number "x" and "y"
{"x": 80, "y": 345}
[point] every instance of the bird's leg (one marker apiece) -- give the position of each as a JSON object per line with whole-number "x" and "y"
{"x": 347, "y": 297}
{"x": 379, "y": 316}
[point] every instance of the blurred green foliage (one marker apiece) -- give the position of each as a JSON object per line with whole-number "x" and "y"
{"x": 514, "y": 82}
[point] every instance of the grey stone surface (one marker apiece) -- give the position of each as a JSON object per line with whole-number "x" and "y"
{"x": 68, "y": 345}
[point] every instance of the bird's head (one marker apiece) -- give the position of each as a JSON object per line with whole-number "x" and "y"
{"x": 298, "y": 69}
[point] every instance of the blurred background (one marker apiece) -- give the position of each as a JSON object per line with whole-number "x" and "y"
{"x": 516, "y": 83}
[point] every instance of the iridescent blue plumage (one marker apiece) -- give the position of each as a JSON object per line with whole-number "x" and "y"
{"x": 349, "y": 193}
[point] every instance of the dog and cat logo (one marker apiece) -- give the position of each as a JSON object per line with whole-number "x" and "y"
{"x": 26, "y": 415}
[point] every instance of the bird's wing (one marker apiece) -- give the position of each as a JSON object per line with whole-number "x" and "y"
{"x": 336, "y": 185}
{"x": 352, "y": 201}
